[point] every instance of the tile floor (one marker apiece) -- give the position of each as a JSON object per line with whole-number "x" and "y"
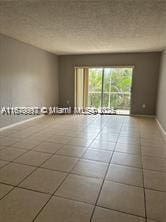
{"x": 83, "y": 169}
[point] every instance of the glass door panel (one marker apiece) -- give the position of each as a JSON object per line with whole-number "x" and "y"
{"x": 107, "y": 87}
{"x": 95, "y": 87}
{"x": 117, "y": 88}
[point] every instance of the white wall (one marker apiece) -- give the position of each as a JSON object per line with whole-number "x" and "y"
{"x": 161, "y": 102}
{"x": 145, "y": 76}
{"x": 28, "y": 77}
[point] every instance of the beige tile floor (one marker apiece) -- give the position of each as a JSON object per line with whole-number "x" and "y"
{"x": 83, "y": 169}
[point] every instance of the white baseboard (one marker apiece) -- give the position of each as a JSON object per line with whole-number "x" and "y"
{"x": 161, "y": 128}
{"x": 139, "y": 115}
{"x": 19, "y": 123}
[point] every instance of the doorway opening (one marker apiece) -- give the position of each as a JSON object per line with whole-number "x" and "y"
{"x": 104, "y": 87}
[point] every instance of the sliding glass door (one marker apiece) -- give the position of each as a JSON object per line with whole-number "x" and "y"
{"x": 95, "y": 87}
{"x": 117, "y": 89}
{"x": 105, "y": 87}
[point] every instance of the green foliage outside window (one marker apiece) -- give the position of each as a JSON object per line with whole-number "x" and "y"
{"x": 116, "y": 87}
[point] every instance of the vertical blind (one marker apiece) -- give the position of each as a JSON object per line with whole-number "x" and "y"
{"x": 81, "y": 87}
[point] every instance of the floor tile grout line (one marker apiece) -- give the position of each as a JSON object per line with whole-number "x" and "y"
{"x": 143, "y": 176}
{"x": 36, "y": 145}
{"x": 36, "y": 167}
{"x": 88, "y": 148}
{"x": 107, "y": 208}
{"x": 130, "y": 185}
{"x": 125, "y": 165}
{"x": 21, "y": 138}
{"x": 57, "y": 189}
{"x": 98, "y": 206}
{"x": 72, "y": 156}
{"x": 70, "y": 173}
{"x": 72, "y": 199}
{"x": 13, "y": 187}
{"x": 4, "y": 164}
{"x": 8, "y": 146}
{"x": 66, "y": 198}
{"x": 61, "y": 171}
{"x": 18, "y": 148}
{"x": 32, "y": 149}
{"x": 13, "y": 161}
{"x": 53, "y": 194}
{"x": 104, "y": 179}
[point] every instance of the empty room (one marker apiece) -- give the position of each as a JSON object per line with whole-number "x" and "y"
{"x": 83, "y": 111}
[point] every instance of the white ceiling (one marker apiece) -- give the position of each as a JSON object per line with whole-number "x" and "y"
{"x": 86, "y": 26}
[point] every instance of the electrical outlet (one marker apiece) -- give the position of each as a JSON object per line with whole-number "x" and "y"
{"x": 143, "y": 106}
{"x": 68, "y": 102}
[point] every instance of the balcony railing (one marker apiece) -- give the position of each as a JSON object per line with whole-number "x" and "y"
{"x": 116, "y": 100}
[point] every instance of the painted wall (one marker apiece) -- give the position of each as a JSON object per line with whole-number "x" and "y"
{"x": 145, "y": 77}
{"x": 28, "y": 77}
{"x": 161, "y": 102}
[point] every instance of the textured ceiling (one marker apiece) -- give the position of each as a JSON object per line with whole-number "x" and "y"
{"x": 86, "y": 26}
